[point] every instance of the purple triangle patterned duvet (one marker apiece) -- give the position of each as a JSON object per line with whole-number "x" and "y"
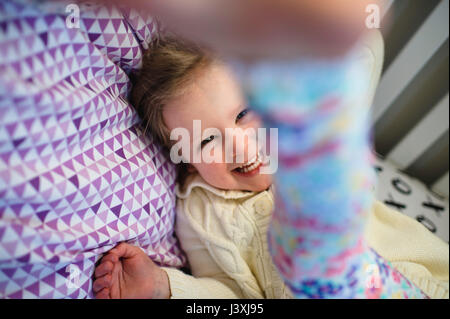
{"x": 77, "y": 176}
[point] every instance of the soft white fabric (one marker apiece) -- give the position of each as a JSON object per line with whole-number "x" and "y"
{"x": 223, "y": 234}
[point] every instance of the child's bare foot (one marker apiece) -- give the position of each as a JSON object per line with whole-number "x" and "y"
{"x": 127, "y": 272}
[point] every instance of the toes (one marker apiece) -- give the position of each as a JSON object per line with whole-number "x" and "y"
{"x": 102, "y": 282}
{"x": 104, "y": 268}
{"x": 103, "y": 294}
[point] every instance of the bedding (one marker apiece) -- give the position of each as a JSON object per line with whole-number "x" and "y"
{"x": 411, "y": 197}
{"x": 77, "y": 176}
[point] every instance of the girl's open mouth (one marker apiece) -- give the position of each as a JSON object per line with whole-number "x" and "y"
{"x": 250, "y": 168}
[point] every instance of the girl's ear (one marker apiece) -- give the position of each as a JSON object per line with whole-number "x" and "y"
{"x": 191, "y": 168}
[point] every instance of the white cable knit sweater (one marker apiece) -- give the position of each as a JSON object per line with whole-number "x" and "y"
{"x": 224, "y": 236}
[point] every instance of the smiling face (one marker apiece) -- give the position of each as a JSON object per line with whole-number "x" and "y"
{"x": 214, "y": 98}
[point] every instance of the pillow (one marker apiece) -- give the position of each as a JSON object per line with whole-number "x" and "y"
{"x": 411, "y": 197}
{"x": 77, "y": 176}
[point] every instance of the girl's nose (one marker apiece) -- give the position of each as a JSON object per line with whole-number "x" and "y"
{"x": 245, "y": 146}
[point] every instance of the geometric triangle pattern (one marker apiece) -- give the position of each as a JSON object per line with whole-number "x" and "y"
{"x": 77, "y": 176}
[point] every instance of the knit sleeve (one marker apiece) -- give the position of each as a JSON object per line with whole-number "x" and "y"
{"x": 184, "y": 286}
{"x": 324, "y": 178}
{"x": 208, "y": 280}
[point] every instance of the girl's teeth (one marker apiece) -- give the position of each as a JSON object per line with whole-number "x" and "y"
{"x": 251, "y": 167}
{"x": 250, "y": 162}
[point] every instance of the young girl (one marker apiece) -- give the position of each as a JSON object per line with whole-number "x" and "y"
{"x": 224, "y": 209}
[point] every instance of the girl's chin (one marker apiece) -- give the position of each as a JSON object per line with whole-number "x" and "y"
{"x": 258, "y": 186}
{"x": 257, "y": 183}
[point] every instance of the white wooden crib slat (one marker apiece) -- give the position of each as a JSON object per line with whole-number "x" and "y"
{"x": 416, "y": 53}
{"x": 441, "y": 186}
{"x": 424, "y": 134}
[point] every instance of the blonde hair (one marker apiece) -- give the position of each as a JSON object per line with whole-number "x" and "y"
{"x": 168, "y": 67}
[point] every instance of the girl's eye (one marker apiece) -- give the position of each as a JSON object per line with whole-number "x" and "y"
{"x": 242, "y": 114}
{"x": 207, "y": 140}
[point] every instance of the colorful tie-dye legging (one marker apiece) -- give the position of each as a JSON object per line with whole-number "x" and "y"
{"x": 324, "y": 179}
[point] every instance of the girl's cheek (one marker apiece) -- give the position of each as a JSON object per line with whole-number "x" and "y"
{"x": 217, "y": 168}
{"x": 210, "y": 169}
